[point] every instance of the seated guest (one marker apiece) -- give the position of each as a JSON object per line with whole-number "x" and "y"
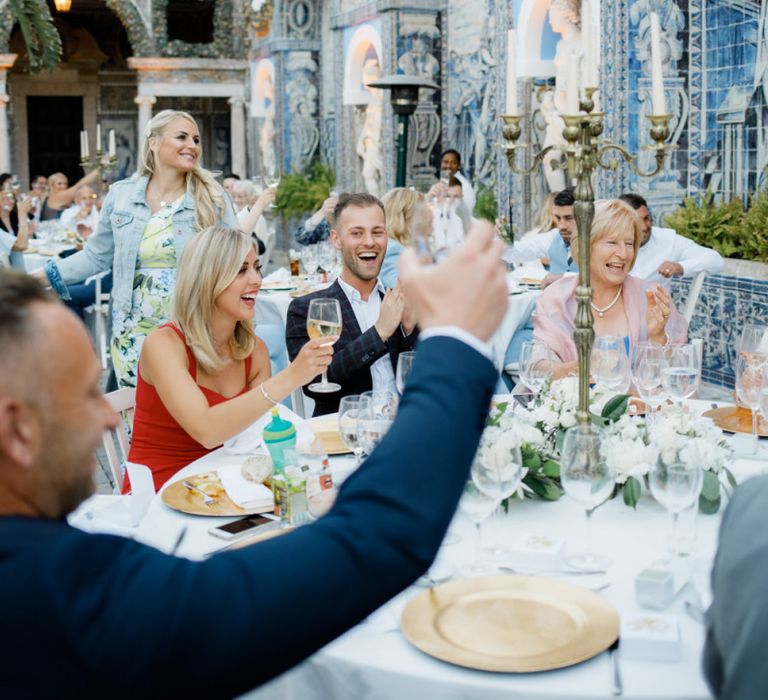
{"x": 83, "y": 215}
{"x": 61, "y": 195}
{"x": 737, "y": 626}
{"x": 622, "y": 304}
{"x": 552, "y": 246}
{"x": 545, "y": 218}
{"x": 375, "y": 325}
{"x": 318, "y": 226}
{"x": 664, "y": 253}
{"x": 205, "y": 377}
{"x": 249, "y": 206}
{"x": 14, "y": 227}
{"x": 404, "y": 209}
{"x": 450, "y": 160}
{"x": 228, "y": 182}
{"x": 89, "y": 604}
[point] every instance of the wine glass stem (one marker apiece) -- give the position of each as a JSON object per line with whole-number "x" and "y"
{"x": 589, "y": 512}
{"x": 325, "y": 378}
{"x": 478, "y": 543}
{"x": 754, "y": 426}
{"x": 675, "y": 516}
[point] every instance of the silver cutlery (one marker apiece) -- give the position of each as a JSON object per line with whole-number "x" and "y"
{"x": 207, "y": 500}
{"x": 613, "y": 650}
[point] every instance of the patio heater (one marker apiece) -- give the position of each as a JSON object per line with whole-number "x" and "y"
{"x": 404, "y": 98}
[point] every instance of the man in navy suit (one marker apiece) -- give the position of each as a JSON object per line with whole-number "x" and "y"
{"x": 375, "y": 324}
{"x": 102, "y": 616}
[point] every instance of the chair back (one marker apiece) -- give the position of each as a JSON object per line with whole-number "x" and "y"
{"x": 693, "y": 296}
{"x": 116, "y": 442}
{"x": 100, "y": 310}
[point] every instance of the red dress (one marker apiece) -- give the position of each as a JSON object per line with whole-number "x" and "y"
{"x": 158, "y": 440}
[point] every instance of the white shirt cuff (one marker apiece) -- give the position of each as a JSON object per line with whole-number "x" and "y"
{"x": 461, "y": 335}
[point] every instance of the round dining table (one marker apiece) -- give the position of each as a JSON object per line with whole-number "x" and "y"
{"x": 375, "y": 660}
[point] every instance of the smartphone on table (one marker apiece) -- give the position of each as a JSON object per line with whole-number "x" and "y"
{"x": 244, "y": 526}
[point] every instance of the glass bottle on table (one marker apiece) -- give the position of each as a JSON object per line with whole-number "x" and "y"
{"x": 324, "y": 321}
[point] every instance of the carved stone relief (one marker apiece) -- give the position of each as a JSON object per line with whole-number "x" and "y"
{"x": 301, "y": 93}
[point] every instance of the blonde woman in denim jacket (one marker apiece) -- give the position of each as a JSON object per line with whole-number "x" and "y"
{"x": 144, "y": 225}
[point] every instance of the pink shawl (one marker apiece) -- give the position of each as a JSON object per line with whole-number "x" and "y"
{"x": 555, "y": 316}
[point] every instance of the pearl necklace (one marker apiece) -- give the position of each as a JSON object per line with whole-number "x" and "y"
{"x": 601, "y": 312}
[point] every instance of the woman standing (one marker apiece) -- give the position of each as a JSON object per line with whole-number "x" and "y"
{"x": 144, "y": 225}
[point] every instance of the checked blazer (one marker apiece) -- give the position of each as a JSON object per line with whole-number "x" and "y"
{"x": 354, "y": 352}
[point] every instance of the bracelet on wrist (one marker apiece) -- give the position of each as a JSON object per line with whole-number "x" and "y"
{"x": 266, "y": 395}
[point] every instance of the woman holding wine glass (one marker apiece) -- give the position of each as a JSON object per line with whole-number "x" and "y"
{"x": 205, "y": 377}
{"x": 622, "y": 305}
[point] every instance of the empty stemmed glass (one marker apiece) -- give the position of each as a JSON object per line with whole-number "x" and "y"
{"x": 376, "y": 419}
{"x": 647, "y": 370}
{"x": 751, "y": 378}
{"x": 610, "y": 363}
{"x": 536, "y": 362}
{"x": 676, "y": 482}
{"x": 754, "y": 339}
{"x": 324, "y": 321}
{"x": 351, "y": 408}
{"x": 588, "y": 480}
{"x": 681, "y": 373}
{"x": 404, "y": 366}
{"x": 271, "y": 180}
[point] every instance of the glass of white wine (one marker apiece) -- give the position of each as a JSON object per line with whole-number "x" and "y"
{"x": 324, "y": 321}
{"x": 271, "y": 180}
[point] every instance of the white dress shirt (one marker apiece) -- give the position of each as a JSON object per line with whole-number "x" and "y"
{"x": 467, "y": 191}
{"x": 69, "y": 222}
{"x": 367, "y": 313}
{"x": 664, "y": 244}
{"x": 530, "y": 249}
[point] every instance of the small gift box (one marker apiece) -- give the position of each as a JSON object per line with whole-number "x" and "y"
{"x": 532, "y": 551}
{"x": 650, "y": 637}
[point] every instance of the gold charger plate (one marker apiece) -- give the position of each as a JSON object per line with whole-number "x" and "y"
{"x": 736, "y": 419}
{"x": 512, "y": 624}
{"x": 327, "y": 431}
{"x": 179, "y": 497}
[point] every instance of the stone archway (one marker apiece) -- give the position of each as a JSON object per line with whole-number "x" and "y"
{"x": 136, "y": 26}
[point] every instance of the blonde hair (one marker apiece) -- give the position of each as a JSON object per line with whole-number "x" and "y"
{"x": 209, "y": 264}
{"x": 399, "y": 207}
{"x": 545, "y": 217}
{"x": 209, "y": 197}
{"x": 610, "y": 215}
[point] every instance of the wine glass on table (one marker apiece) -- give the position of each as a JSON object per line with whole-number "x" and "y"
{"x": 351, "y": 408}
{"x": 754, "y": 339}
{"x": 324, "y": 321}
{"x": 751, "y": 371}
{"x": 676, "y": 482}
{"x": 404, "y": 367}
{"x": 680, "y": 376}
{"x": 647, "y": 370}
{"x": 610, "y": 363}
{"x": 376, "y": 419}
{"x": 477, "y": 505}
{"x": 536, "y": 362}
{"x": 588, "y": 480}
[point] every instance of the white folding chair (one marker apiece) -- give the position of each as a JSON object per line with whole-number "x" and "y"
{"x": 693, "y": 296}
{"x": 116, "y": 441}
{"x": 5, "y": 261}
{"x": 100, "y": 311}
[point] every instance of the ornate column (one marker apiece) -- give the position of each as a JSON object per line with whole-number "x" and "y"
{"x": 145, "y": 103}
{"x": 6, "y": 62}
{"x": 237, "y": 135}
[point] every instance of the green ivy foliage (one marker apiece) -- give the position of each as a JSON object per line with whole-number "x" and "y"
{"x": 302, "y": 193}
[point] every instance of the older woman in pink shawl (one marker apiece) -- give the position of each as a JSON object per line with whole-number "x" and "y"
{"x": 622, "y": 305}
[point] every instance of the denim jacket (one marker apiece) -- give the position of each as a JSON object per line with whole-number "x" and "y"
{"x": 115, "y": 243}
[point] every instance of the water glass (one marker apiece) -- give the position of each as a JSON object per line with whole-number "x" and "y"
{"x": 588, "y": 480}
{"x": 404, "y": 367}
{"x": 648, "y": 365}
{"x": 610, "y": 363}
{"x": 477, "y": 505}
{"x": 754, "y": 339}
{"x": 536, "y": 363}
{"x": 681, "y": 374}
{"x": 376, "y": 419}
{"x": 676, "y": 482}
{"x": 350, "y": 410}
{"x": 751, "y": 371}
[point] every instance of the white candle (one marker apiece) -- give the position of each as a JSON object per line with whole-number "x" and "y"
{"x": 657, "y": 81}
{"x": 82, "y": 145}
{"x": 572, "y": 95}
{"x": 512, "y": 73}
{"x": 98, "y": 137}
{"x": 86, "y": 151}
{"x": 112, "y": 146}
{"x": 589, "y": 69}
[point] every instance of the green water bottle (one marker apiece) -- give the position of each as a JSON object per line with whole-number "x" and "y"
{"x": 279, "y": 435}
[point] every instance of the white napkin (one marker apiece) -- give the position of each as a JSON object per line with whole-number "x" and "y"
{"x": 243, "y": 492}
{"x": 530, "y": 271}
{"x": 282, "y": 274}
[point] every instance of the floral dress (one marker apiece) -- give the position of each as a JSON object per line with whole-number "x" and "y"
{"x": 153, "y": 286}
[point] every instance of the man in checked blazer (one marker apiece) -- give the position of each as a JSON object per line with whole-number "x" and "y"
{"x": 375, "y": 323}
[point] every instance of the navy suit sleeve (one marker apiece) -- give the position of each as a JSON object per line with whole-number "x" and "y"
{"x": 143, "y": 624}
{"x": 737, "y": 621}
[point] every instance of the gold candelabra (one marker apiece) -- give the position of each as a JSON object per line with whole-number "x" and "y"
{"x": 582, "y": 154}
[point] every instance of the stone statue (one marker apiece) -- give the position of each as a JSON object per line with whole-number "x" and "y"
{"x": 369, "y": 140}
{"x": 553, "y": 136}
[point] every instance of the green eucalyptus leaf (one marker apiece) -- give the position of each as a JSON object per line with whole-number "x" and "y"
{"x": 551, "y": 468}
{"x": 543, "y": 487}
{"x": 711, "y": 487}
{"x": 709, "y": 506}
{"x": 615, "y": 408}
{"x": 632, "y": 491}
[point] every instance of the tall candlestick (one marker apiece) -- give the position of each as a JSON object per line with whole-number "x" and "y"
{"x": 511, "y": 72}
{"x": 589, "y": 69}
{"x": 657, "y": 81}
{"x": 572, "y": 95}
{"x": 112, "y": 146}
{"x": 98, "y": 138}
